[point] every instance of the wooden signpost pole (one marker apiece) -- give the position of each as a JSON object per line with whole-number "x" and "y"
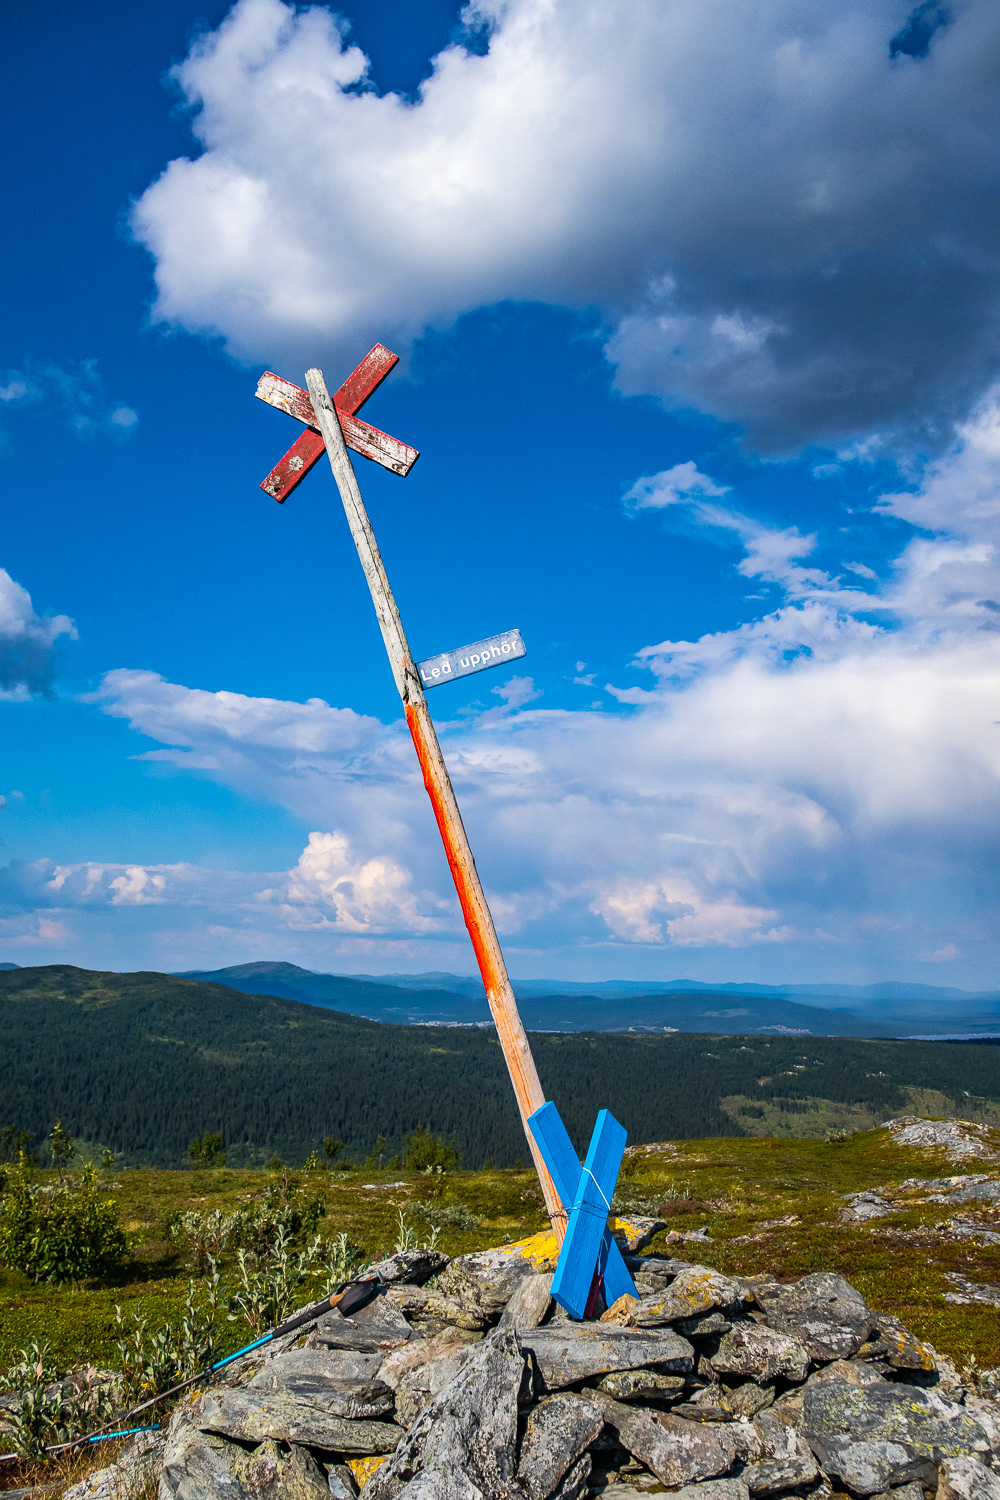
{"x": 499, "y": 993}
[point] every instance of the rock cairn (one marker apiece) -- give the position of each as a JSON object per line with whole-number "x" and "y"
{"x": 477, "y": 1386}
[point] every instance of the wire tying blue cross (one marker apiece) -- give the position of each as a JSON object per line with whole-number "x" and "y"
{"x": 589, "y": 1254}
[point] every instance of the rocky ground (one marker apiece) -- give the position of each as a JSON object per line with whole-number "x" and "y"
{"x": 465, "y": 1380}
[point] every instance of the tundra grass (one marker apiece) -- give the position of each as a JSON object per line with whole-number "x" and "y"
{"x": 767, "y": 1204}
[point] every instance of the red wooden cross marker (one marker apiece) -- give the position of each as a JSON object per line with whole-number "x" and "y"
{"x": 368, "y": 441}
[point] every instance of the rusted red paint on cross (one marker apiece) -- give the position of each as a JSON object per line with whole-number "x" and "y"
{"x": 352, "y": 395}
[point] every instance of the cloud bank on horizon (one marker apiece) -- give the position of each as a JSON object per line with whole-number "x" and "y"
{"x": 785, "y": 216}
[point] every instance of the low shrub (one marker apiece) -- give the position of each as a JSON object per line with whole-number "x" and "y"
{"x": 423, "y": 1149}
{"x": 49, "y": 1408}
{"x": 62, "y": 1233}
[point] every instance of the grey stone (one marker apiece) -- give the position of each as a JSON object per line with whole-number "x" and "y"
{"x": 323, "y": 1365}
{"x": 912, "y": 1491}
{"x": 133, "y": 1468}
{"x": 854, "y": 1371}
{"x": 251, "y": 1416}
{"x": 409, "y": 1266}
{"x": 196, "y": 1465}
{"x": 270, "y": 1473}
{"x": 449, "y": 1483}
{"x": 703, "y": 1411}
{"x": 969, "y": 1292}
{"x": 341, "y": 1382}
{"x": 486, "y": 1279}
{"x": 695, "y": 1290}
{"x": 383, "y": 1329}
{"x": 677, "y": 1452}
{"x": 566, "y": 1353}
{"x": 777, "y": 1430}
{"x": 756, "y": 1350}
{"x": 403, "y": 1362}
{"x": 558, "y": 1431}
{"x": 459, "y": 1312}
{"x": 406, "y": 1298}
{"x": 713, "y": 1489}
{"x": 979, "y": 1191}
{"x": 529, "y": 1303}
{"x": 661, "y": 1268}
{"x": 641, "y": 1385}
{"x": 634, "y": 1234}
{"x": 823, "y": 1310}
{"x": 864, "y": 1206}
{"x": 576, "y": 1481}
{"x": 468, "y": 1430}
{"x": 770, "y": 1477}
{"x": 419, "y": 1387}
{"x": 703, "y": 1327}
{"x": 960, "y": 1139}
{"x": 902, "y": 1349}
{"x": 748, "y": 1399}
{"x": 340, "y": 1482}
{"x": 880, "y": 1436}
{"x": 965, "y": 1478}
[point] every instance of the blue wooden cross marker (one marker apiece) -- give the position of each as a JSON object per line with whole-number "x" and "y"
{"x": 589, "y": 1248}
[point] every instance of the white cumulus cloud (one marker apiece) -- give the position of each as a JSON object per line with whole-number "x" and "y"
{"x": 786, "y": 213}
{"x": 27, "y": 642}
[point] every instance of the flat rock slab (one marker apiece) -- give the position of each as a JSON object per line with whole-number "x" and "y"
{"x": 960, "y": 1139}
{"x": 529, "y": 1302}
{"x": 877, "y": 1436}
{"x": 486, "y": 1279}
{"x": 566, "y": 1353}
{"x": 338, "y": 1381}
{"x": 323, "y": 1365}
{"x": 678, "y": 1452}
{"x": 364, "y": 1336}
{"x": 641, "y": 1385}
{"x": 778, "y": 1474}
{"x": 828, "y": 1315}
{"x": 901, "y": 1348}
{"x": 967, "y": 1479}
{"x": 403, "y": 1362}
{"x": 558, "y": 1431}
{"x": 695, "y": 1290}
{"x": 762, "y": 1352}
{"x": 468, "y": 1433}
{"x": 251, "y": 1416}
{"x": 713, "y": 1489}
{"x": 415, "y": 1266}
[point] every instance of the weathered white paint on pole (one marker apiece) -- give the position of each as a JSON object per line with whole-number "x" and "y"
{"x": 478, "y": 919}
{"x": 479, "y": 657}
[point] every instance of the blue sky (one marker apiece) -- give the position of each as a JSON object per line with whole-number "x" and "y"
{"x": 697, "y": 313}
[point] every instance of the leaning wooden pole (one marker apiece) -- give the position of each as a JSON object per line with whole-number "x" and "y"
{"x": 478, "y": 919}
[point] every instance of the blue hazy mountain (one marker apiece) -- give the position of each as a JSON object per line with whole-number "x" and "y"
{"x": 439, "y": 998}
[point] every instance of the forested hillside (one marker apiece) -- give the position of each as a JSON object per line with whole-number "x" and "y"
{"x": 141, "y": 1063}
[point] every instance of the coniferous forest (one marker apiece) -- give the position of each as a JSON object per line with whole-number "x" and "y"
{"x": 142, "y": 1063}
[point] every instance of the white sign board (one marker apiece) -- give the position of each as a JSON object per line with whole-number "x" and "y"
{"x": 475, "y": 658}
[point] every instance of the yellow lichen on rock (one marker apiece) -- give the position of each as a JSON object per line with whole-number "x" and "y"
{"x": 363, "y": 1468}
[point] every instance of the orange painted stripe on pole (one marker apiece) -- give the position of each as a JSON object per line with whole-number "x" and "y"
{"x": 475, "y": 909}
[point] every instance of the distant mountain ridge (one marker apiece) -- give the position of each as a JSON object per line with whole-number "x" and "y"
{"x": 439, "y": 998}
